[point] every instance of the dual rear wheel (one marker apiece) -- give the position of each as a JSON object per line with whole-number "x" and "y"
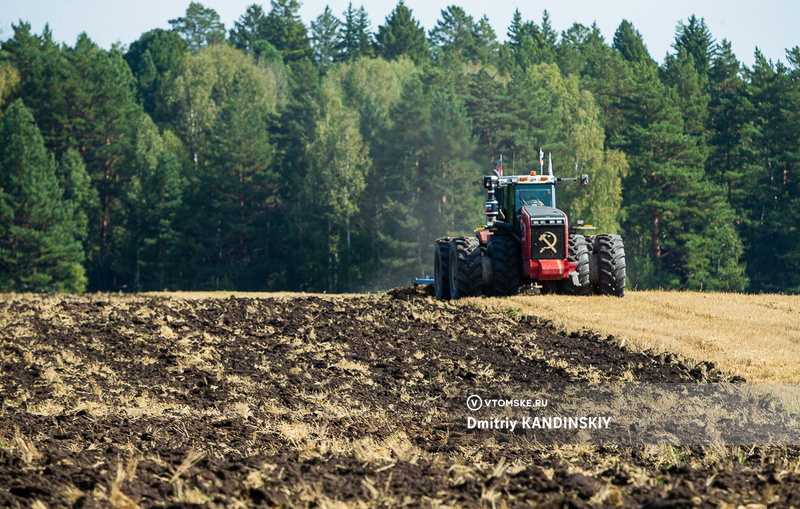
{"x": 458, "y": 268}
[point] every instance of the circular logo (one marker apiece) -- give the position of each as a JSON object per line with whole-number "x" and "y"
{"x": 474, "y": 402}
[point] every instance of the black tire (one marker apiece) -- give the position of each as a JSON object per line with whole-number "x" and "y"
{"x": 610, "y": 252}
{"x": 466, "y": 270}
{"x": 505, "y": 253}
{"x": 441, "y": 268}
{"x": 579, "y": 254}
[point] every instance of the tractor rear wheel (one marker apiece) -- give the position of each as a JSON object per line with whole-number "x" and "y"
{"x": 610, "y": 252}
{"x": 578, "y": 254}
{"x": 441, "y": 268}
{"x": 466, "y": 268}
{"x": 506, "y": 256}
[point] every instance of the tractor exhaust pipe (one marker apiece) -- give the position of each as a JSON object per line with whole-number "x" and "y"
{"x": 492, "y": 206}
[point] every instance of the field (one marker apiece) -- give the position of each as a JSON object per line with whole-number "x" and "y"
{"x": 754, "y": 336}
{"x": 340, "y": 401}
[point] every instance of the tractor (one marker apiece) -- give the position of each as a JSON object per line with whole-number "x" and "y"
{"x": 528, "y": 244}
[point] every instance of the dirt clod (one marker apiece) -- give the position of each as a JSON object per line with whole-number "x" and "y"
{"x": 163, "y": 402}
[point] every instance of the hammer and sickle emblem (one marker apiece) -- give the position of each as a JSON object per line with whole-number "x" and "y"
{"x": 549, "y": 238}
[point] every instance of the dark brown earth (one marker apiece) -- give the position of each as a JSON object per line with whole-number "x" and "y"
{"x": 162, "y": 402}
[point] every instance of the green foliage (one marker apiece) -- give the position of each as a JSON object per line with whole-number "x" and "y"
{"x": 151, "y": 198}
{"x": 355, "y": 39}
{"x": 676, "y": 219}
{"x": 9, "y": 80}
{"x": 771, "y": 205}
{"x": 155, "y": 59}
{"x": 325, "y": 36}
{"x": 628, "y": 41}
{"x": 103, "y": 114}
{"x": 531, "y": 44}
{"x": 455, "y": 35}
{"x": 285, "y": 30}
{"x": 44, "y": 81}
{"x": 199, "y": 27}
{"x": 338, "y": 165}
{"x": 251, "y": 28}
{"x": 225, "y": 104}
{"x": 695, "y": 39}
{"x": 39, "y": 251}
{"x": 78, "y": 190}
{"x": 402, "y": 35}
{"x": 189, "y": 164}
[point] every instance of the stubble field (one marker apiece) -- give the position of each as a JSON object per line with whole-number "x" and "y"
{"x": 327, "y": 401}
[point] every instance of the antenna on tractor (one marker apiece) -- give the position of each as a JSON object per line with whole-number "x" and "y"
{"x": 550, "y": 164}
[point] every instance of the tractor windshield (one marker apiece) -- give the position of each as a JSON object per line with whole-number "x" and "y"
{"x": 536, "y": 194}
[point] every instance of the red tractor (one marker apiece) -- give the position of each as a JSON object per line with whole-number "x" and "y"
{"x": 528, "y": 244}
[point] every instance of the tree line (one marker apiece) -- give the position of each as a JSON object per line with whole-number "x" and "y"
{"x": 276, "y": 156}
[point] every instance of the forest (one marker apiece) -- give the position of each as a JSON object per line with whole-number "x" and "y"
{"x": 272, "y": 155}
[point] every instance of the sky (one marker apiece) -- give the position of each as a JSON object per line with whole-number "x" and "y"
{"x": 770, "y": 25}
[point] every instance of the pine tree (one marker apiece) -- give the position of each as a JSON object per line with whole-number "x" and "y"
{"x": 78, "y": 191}
{"x": 695, "y": 38}
{"x": 492, "y": 111}
{"x": 691, "y": 88}
{"x": 286, "y": 31}
{"x": 522, "y": 41}
{"x": 730, "y": 116}
{"x": 251, "y": 28}
{"x": 400, "y": 190}
{"x": 606, "y": 74}
{"x": 486, "y": 40}
{"x": 402, "y": 35}
{"x": 355, "y": 39}
{"x": 324, "y": 36}
{"x": 339, "y": 161}
{"x": 773, "y": 173}
{"x": 679, "y": 231}
{"x": 291, "y": 134}
{"x": 155, "y": 59}
{"x": 46, "y": 82}
{"x": 548, "y": 39}
{"x": 225, "y": 103}
{"x": 240, "y": 186}
{"x": 455, "y": 35}
{"x": 373, "y": 88}
{"x": 531, "y": 44}
{"x": 151, "y": 197}
{"x": 453, "y": 195}
{"x": 570, "y": 57}
{"x": 628, "y": 41}
{"x": 38, "y": 249}
{"x": 103, "y": 115}
{"x": 199, "y": 27}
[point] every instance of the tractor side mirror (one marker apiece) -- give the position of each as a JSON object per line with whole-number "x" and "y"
{"x": 584, "y": 180}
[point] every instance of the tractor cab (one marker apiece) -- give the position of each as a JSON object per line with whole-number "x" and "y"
{"x": 516, "y": 196}
{"x": 509, "y": 196}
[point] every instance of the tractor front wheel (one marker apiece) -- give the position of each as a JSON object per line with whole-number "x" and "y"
{"x": 578, "y": 254}
{"x": 610, "y": 270}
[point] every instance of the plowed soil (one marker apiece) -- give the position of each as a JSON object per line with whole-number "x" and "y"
{"x": 308, "y": 401}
